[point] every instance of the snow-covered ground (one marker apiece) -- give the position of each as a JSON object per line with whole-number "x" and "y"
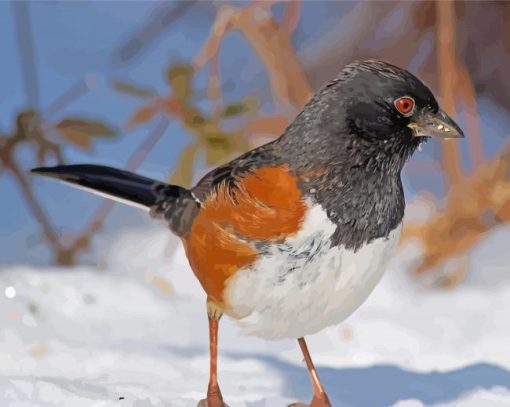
{"x": 119, "y": 335}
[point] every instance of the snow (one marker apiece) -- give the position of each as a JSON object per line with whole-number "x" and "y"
{"x": 120, "y": 335}
{"x": 482, "y": 398}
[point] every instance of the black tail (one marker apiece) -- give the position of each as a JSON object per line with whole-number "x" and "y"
{"x": 115, "y": 184}
{"x": 176, "y": 205}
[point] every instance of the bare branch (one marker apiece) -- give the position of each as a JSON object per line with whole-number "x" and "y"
{"x": 475, "y": 142}
{"x": 161, "y": 17}
{"x": 33, "y": 204}
{"x": 477, "y": 204}
{"x": 271, "y": 43}
{"x": 340, "y": 45}
{"x": 447, "y": 71}
{"x": 26, "y": 51}
{"x": 218, "y": 30}
{"x": 69, "y": 96}
{"x": 214, "y": 83}
{"x": 291, "y": 17}
{"x": 273, "y": 46}
{"x": 136, "y": 159}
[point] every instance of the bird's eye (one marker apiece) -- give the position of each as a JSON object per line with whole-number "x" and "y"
{"x": 405, "y": 105}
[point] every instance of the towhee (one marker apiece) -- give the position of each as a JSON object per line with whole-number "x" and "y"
{"x": 294, "y": 235}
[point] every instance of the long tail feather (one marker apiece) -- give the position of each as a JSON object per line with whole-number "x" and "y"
{"x": 177, "y": 206}
{"x": 120, "y": 185}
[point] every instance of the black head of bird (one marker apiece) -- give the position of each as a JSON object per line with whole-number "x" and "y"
{"x": 371, "y": 108}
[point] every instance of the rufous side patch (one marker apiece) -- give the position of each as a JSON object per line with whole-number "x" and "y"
{"x": 265, "y": 205}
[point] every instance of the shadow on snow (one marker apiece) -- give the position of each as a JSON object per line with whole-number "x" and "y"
{"x": 384, "y": 385}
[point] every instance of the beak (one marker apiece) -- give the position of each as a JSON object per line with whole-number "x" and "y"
{"x": 428, "y": 124}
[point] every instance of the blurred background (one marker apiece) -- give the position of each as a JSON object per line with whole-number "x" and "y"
{"x": 98, "y": 304}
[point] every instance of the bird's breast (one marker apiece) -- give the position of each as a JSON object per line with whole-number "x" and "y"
{"x": 305, "y": 283}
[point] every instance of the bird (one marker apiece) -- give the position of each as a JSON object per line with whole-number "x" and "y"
{"x": 293, "y": 236}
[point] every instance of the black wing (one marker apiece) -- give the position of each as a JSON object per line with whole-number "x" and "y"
{"x": 231, "y": 172}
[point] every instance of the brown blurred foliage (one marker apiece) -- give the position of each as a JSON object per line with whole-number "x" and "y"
{"x": 457, "y": 69}
{"x": 462, "y": 220}
{"x": 47, "y": 140}
{"x": 209, "y": 133}
{"x": 473, "y": 206}
{"x": 475, "y": 202}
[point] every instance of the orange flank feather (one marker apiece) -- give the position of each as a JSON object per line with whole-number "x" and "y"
{"x": 265, "y": 205}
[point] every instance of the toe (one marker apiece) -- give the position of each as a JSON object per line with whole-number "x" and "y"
{"x": 211, "y": 403}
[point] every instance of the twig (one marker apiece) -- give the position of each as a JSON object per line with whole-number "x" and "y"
{"x": 291, "y": 17}
{"x": 447, "y": 79}
{"x": 214, "y": 83}
{"x": 33, "y": 204}
{"x": 136, "y": 159}
{"x": 273, "y": 46}
{"x": 26, "y": 51}
{"x": 475, "y": 142}
{"x": 158, "y": 20}
{"x": 271, "y": 42}
{"x": 482, "y": 201}
{"x": 70, "y": 95}
{"x": 218, "y": 30}
{"x": 340, "y": 44}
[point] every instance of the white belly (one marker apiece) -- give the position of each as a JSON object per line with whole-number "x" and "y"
{"x": 303, "y": 285}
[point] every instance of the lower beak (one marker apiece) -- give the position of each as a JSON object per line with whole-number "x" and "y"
{"x": 428, "y": 124}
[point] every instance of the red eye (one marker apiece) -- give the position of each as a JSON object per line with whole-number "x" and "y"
{"x": 405, "y": 105}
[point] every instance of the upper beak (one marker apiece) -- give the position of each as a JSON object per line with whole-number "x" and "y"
{"x": 428, "y": 124}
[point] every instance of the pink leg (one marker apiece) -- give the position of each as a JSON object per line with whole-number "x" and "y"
{"x": 320, "y": 398}
{"x": 214, "y": 397}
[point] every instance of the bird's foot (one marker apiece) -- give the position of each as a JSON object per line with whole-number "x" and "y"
{"x": 214, "y": 398}
{"x": 211, "y": 402}
{"x": 317, "y": 401}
